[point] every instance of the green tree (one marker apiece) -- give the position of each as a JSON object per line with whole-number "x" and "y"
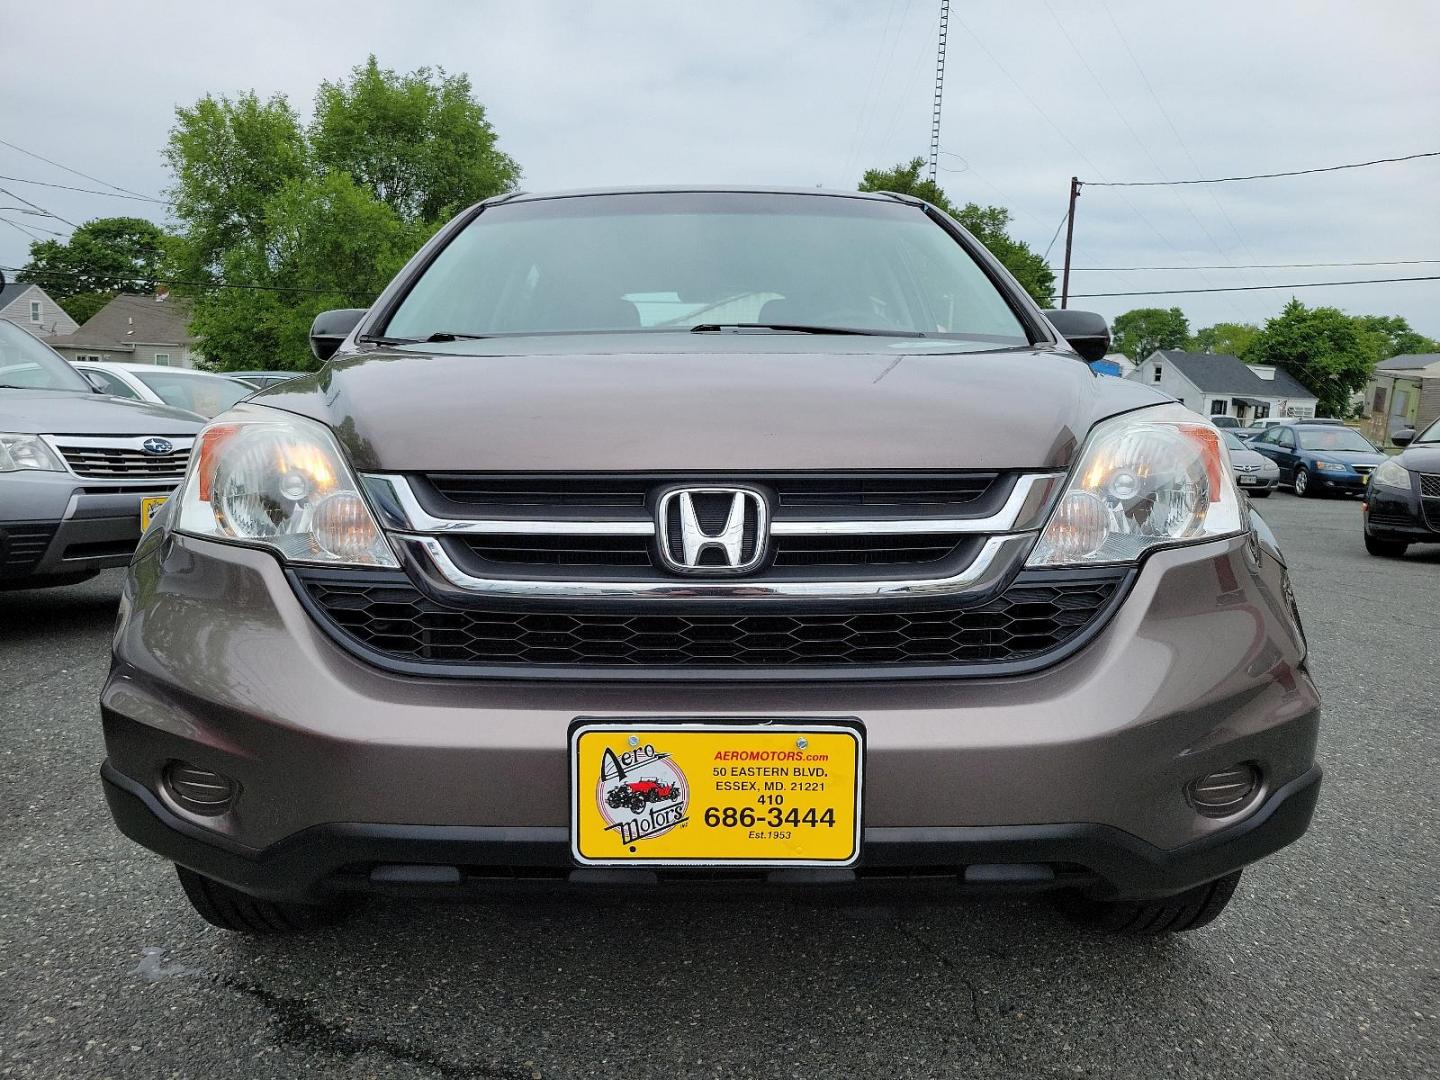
{"x": 419, "y": 141}
{"x": 293, "y": 220}
{"x": 1226, "y": 338}
{"x": 1139, "y": 333}
{"x": 1391, "y": 336}
{"x": 989, "y": 224}
{"x": 102, "y": 257}
{"x": 325, "y": 242}
{"x": 229, "y": 157}
{"x": 1328, "y": 351}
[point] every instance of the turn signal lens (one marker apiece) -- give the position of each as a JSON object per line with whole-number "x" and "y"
{"x": 1151, "y": 478}
{"x": 277, "y": 480}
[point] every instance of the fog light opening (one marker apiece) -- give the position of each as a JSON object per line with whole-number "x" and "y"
{"x": 201, "y": 791}
{"x": 1226, "y": 792}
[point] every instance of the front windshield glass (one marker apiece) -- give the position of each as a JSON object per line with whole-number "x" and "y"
{"x": 1430, "y": 434}
{"x": 1334, "y": 438}
{"x": 208, "y": 395}
{"x": 1233, "y": 442}
{"x": 27, "y": 364}
{"x": 657, "y": 262}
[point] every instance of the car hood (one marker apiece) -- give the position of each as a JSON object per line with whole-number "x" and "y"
{"x": 1421, "y": 459}
{"x": 732, "y": 402}
{"x": 1251, "y": 457}
{"x": 74, "y": 412}
{"x": 1347, "y": 457}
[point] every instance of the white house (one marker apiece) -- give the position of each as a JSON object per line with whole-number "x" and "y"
{"x": 1214, "y": 384}
{"x": 31, "y": 308}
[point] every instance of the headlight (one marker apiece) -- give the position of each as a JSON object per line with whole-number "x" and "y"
{"x": 271, "y": 479}
{"x": 1392, "y": 474}
{"x": 1148, "y": 479}
{"x": 19, "y": 452}
{"x": 1331, "y": 466}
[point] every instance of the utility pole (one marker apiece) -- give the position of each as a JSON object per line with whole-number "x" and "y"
{"x": 1069, "y": 241}
{"x": 939, "y": 89}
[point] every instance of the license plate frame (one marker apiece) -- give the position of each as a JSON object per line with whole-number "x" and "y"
{"x": 598, "y": 832}
{"x": 148, "y": 506}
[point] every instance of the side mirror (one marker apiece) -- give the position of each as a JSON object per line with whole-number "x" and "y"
{"x": 1087, "y": 332}
{"x": 331, "y": 328}
{"x": 1403, "y": 438}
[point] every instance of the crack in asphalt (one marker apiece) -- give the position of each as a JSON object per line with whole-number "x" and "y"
{"x": 295, "y": 1022}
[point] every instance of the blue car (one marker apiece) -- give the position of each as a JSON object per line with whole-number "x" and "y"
{"x": 1315, "y": 458}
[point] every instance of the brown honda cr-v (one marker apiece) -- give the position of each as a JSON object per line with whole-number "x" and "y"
{"x": 641, "y": 538}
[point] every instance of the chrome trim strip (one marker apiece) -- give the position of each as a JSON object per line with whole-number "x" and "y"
{"x": 1024, "y": 509}
{"x": 996, "y": 558}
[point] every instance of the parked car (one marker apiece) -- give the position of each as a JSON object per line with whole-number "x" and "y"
{"x": 80, "y": 473}
{"x": 1402, "y": 505}
{"x": 1256, "y": 474}
{"x": 1317, "y": 457}
{"x": 261, "y": 379}
{"x": 1224, "y": 422}
{"x": 199, "y": 392}
{"x": 603, "y": 477}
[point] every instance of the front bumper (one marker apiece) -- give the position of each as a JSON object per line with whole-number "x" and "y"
{"x": 1393, "y": 514}
{"x": 54, "y": 527}
{"x": 1079, "y": 769}
{"x": 1348, "y": 483}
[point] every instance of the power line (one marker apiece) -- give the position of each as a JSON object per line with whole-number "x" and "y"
{"x": 1260, "y": 176}
{"x": 86, "y": 190}
{"x": 1254, "y": 266}
{"x": 1255, "y": 288}
{"x": 24, "y": 229}
{"x": 1064, "y": 218}
{"x": 37, "y": 206}
{"x": 67, "y": 168}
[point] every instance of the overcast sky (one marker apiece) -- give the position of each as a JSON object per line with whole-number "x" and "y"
{"x": 812, "y": 93}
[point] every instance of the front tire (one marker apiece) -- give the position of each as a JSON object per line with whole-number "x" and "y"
{"x": 230, "y": 909}
{"x": 1385, "y": 549}
{"x": 1189, "y": 910}
{"x": 1302, "y": 481}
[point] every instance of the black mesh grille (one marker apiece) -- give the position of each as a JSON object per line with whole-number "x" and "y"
{"x": 389, "y": 615}
{"x": 21, "y": 547}
{"x": 1430, "y": 485}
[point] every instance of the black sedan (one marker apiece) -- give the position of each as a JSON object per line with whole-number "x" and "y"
{"x": 1402, "y": 506}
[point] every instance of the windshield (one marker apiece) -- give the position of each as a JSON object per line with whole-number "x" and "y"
{"x": 208, "y": 395}
{"x": 661, "y": 262}
{"x": 1233, "y": 442}
{"x": 27, "y": 364}
{"x": 1430, "y": 434}
{"x": 1336, "y": 438}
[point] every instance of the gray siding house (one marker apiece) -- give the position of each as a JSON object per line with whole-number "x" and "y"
{"x": 134, "y": 330}
{"x": 1214, "y": 384}
{"x": 29, "y": 306}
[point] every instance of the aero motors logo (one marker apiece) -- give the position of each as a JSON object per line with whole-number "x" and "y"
{"x": 641, "y": 793}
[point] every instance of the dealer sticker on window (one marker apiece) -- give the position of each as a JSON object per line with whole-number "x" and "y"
{"x": 751, "y": 793}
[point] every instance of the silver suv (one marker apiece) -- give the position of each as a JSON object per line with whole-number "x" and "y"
{"x": 80, "y": 473}
{"x": 636, "y": 537}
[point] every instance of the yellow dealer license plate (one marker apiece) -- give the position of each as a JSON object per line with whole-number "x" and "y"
{"x": 744, "y": 793}
{"x": 148, "y": 508}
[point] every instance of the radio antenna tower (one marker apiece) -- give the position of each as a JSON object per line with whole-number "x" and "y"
{"x": 939, "y": 89}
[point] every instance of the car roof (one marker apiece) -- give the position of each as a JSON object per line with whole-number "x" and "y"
{"x": 696, "y": 189}
{"x": 104, "y": 364}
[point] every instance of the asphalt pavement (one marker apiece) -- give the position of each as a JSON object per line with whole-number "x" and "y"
{"x": 1326, "y": 965}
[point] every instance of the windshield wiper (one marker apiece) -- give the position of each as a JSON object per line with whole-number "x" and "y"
{"x": 798, "y": 328}
{"x": 450, "y": 335}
